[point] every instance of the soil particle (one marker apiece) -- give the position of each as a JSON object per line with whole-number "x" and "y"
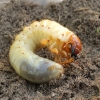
{"x": 81, "y": 80}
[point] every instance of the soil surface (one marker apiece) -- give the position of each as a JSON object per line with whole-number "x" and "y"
{"x": 81, "y": 80}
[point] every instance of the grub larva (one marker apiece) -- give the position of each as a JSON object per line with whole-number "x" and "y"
{"x": 50, "y": 34}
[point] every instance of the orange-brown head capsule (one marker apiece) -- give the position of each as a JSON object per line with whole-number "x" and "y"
{"x": 73, "y": 46}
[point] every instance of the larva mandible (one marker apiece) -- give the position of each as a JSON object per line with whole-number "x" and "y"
{"x": 49, "y": 33}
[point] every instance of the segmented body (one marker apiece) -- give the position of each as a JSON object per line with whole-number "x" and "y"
{"x": 22, "y": 52}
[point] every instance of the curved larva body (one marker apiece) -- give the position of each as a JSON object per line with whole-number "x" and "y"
{"x": 29, "y": 65}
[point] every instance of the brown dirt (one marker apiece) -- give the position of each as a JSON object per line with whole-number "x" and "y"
{"x": 82, "y": 79}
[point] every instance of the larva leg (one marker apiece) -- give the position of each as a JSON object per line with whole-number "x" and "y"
{"x": 44, "y": 42}
{"x": 59, "y": 55}
{"x": 67, "y": 61}
{"x": 54, "y": 50}
{"x": 58, "y": 58}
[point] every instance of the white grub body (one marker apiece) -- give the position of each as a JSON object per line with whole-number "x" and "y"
{"x": 22, "y": 52}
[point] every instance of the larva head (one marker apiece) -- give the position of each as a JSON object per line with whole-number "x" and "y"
{"x": 73, "y": 46}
